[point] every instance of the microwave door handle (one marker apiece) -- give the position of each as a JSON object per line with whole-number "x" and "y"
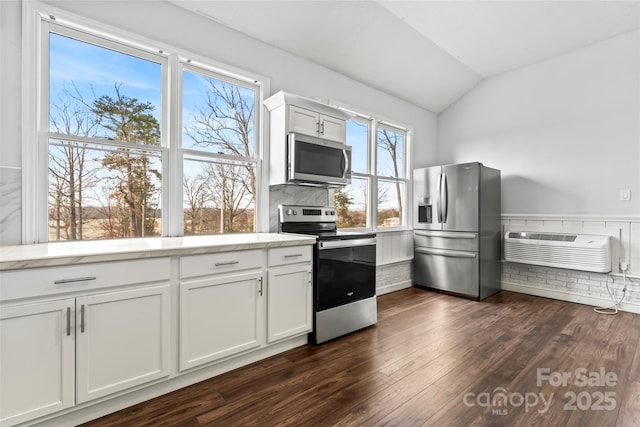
{"x": 345, "y": 164}
{"x": 291, "y": 167}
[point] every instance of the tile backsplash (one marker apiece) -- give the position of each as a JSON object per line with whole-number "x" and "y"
{"x": 294, "y": 195}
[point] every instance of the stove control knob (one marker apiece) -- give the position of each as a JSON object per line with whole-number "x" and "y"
{"x": 289, "y": 211}
{"x": 327, "y": 212}
{"x": 295, "y": 212}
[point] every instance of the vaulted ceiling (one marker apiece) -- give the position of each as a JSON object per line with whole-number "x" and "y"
{"x": 429, "y": 53}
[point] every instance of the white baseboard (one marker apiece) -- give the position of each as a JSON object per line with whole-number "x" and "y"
{"x": 631, "y": 307}
{"x": 381, "y": 290}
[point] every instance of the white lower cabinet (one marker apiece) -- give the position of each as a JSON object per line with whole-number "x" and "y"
{"x": 219, "y": 317}
{"x": 37, "y": 360}
{"x": 289, "y": 301}
{"x": 122, "y": 340}
{"x": 71, "y": 336}
{"x": 81, "y": 339}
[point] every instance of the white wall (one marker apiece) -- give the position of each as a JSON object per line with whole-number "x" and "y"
{"x": 167, "y": 23}
{"x": 565, "y": 132}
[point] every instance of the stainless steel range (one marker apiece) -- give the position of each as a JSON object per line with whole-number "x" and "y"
{"x": 344, "y": 271}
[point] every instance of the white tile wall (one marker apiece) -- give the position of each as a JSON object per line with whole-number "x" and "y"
{"x": 579, "y": 286}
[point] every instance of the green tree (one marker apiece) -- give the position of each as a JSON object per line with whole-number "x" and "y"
{"x": 129, "y": 120}
{"x": 343, "y": 201}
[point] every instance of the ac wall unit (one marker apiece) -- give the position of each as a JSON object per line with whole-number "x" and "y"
{"x": 572, "y": 251}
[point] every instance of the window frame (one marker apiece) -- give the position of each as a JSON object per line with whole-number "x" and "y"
{"x": 371, "y": 175}
{"x": 38, "y": 19}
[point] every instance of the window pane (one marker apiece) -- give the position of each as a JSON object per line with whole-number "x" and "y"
{"x": 218, "y": 197}
{"x": 99, "y": 92}
{"x": 351, "y": 203}
{"x": 99, "y": 192}
{"x": 358, "y": 139}
{"x": 217, "y": 116}
{"x": 390, "y": 153}
{"x": 390, "y": 202}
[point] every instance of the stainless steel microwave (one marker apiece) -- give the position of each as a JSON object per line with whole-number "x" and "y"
{"x": 316, "y": 161}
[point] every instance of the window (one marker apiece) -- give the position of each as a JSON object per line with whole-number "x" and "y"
{"x": 220, "y": 164}
{"x": 351, "y": 200}
{"x": 390, "y": 176}
{"x": 129, "y": 155}
{"x": 377, "y": 193}
{"x": 104, "y": 144}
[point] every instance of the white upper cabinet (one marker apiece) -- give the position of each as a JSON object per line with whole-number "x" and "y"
{"x": 315, "y": 124}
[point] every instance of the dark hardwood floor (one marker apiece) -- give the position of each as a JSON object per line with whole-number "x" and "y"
{"x": 433, "y": 360}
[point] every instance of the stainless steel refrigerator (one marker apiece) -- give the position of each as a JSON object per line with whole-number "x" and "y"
{"x": 457, "y": 229}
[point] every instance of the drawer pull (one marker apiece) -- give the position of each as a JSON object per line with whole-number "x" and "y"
{"x": 293, "y": 256}
{"x": 78, "y": 279}
{"x": 220, "y": 264}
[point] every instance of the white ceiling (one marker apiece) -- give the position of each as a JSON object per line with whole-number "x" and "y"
{"x": 426, "y": 52}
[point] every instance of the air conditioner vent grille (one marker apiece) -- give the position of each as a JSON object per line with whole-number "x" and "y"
{"x": 572, "y": 251}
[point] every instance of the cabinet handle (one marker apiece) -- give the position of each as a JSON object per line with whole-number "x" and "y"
{"x": 77, "y": 279}
{"x": 260, "y": 288}
{"x": 68, "y": 321}
{"x": 220, "y": 264}
{"x": 322, "y": 128}
{"x": 82, "y": 318}
{"x": 293, "y": 256}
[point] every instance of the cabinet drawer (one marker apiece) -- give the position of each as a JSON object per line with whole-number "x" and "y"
{"x": 37, "y": 282}
{"x": 202, "y": 265}
{"x": 289, "y": 255}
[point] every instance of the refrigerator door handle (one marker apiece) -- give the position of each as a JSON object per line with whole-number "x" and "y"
{"x": 444, "y": 192}
{"x": 439, "y": 204}
{"x": 442, "y": 252}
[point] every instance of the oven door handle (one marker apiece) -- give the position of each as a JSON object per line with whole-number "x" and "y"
{"x": 348, "y": 243}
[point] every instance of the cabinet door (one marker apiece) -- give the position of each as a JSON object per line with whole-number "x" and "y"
{"x": 122, "y": 340}
{"x": 218, "y": 317}
{"x": 36, "y": 360}
{"x": 333, "y": 128}
{"x": 303, "y": 121}
{"x": 289, "y": 302}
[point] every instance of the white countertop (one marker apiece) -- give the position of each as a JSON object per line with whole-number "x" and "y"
{"x": 80, "y": 252}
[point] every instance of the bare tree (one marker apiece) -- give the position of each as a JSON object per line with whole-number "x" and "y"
{"x": 225, "y": 121}
{"x": 197, "y": 196}
{"x": 68, "y": 177}
{"x": 227, "y": 185}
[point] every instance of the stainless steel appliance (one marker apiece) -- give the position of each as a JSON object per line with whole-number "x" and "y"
{"x": 316, "y": 161}
{"x": 457, "y": 229}
{"x": 344, "y": 271}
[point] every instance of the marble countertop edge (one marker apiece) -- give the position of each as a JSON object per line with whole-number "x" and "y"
{"x": 71, "y": 253}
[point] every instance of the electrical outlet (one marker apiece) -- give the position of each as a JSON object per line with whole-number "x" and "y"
{"x": 625, "y": 195}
